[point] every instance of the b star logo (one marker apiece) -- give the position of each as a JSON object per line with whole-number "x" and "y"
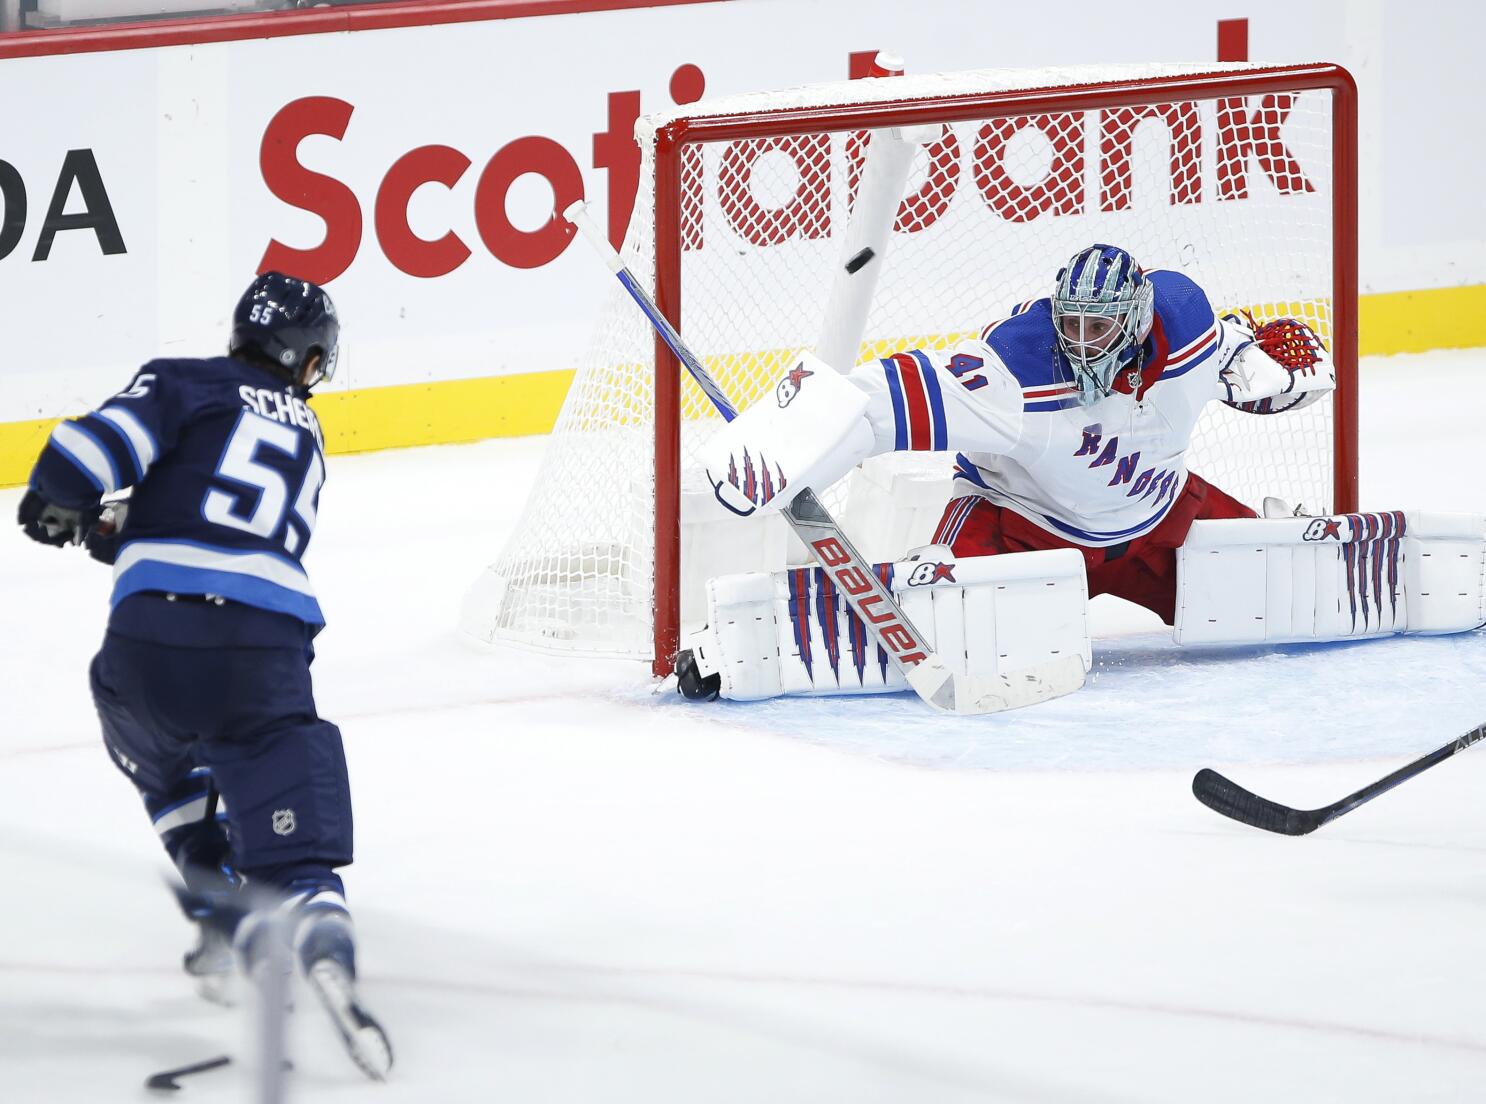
{"x": 790, "y": 385}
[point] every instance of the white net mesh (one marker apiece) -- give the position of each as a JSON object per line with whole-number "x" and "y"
{"x": 1235, "y": 192}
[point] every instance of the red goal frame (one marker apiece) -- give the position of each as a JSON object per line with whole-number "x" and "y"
{"x": 673, "y": 138}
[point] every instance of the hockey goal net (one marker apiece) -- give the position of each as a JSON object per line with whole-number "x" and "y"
{"x": 750, "y": 216}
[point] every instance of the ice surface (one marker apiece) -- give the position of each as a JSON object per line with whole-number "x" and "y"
{"x": 569, "y": 889}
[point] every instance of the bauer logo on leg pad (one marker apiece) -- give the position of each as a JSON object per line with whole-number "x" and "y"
{"x": 872, "y": 597}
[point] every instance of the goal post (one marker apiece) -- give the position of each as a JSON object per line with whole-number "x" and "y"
{"x": 1243, "y": 176}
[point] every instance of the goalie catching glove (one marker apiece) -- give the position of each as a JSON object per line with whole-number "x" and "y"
{"x": 791, "y": 633}
{"x": 1280, "y": 365}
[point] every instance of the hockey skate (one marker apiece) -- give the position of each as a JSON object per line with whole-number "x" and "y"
{"x": 212, "y": 963}
{"x": 326, "y": 951}
{"x": 1280, "y": 508}
{"x": 310, "y": 933}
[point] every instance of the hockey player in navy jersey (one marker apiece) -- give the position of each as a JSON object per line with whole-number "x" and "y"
{"x": 202, "y": 684}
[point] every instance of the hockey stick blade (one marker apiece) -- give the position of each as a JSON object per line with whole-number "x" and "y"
{"x": 969, "y": 695}
{"x": 165, "y": 1080}
{"x": 1227, "y": 797}
{"x": 1233, "y": 801}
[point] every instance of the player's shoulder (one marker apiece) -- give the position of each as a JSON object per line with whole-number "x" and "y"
{"x": 207, "y": 374}
{"x": 1183, "y": 307}
{"x": 194, "y": 386}
{"x": 188, "y": 370}
{"x": 1025, "y": 345}
{"x": 1024, "y": 342}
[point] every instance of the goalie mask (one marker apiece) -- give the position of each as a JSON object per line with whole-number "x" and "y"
{"x": 1102, "y": 312}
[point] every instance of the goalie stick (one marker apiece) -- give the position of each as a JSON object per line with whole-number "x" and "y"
{"x": 1231, "y": 800}
{"x": 927, "y": 674}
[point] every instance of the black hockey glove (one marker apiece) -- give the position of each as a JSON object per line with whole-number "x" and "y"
{"x": 104, "y": 538}
{"x": 52, "y": 524}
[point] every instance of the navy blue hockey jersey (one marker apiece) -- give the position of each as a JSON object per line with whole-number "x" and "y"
{"x": 226, "y": 461}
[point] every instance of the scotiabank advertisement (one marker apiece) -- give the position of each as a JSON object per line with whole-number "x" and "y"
{"x": 415, "y": 170}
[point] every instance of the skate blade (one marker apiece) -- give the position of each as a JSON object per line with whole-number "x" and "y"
{"x": 364, "y": 1038}
{"x": 223, "y": 990}
{"x": 215, "y": 976}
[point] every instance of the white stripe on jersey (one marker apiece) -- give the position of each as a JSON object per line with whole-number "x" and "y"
{"x": 1180, "y": 356}
{"x": 178, "y": 817}
{"x": 139, "y": 438}
{"x": 255, "y": 565}
{"x": 82, "y": 449}
{"x": 1043, "y": 392}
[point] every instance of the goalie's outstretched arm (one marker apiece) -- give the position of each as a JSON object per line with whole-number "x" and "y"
{"x": 820, "y": 425}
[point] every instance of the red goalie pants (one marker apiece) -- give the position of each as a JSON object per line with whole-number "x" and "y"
{"x": 1142, "y": 571}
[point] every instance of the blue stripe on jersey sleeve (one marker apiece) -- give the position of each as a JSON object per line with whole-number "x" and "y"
{"x": 1051, "y": 404}
{"x": 900, "y": 415}
{"x": 939, "y": 441}
{"x": 1193, "y": 363}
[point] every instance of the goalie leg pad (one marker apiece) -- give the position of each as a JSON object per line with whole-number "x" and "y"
{"x": 1283, "y": 580}
{"x": 791, "y": 633}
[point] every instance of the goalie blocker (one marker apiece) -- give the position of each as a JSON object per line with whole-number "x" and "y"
{"x": 1278, "y": 580}
{"x": 790, "y": 632}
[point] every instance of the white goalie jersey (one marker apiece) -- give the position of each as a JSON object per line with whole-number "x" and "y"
{"x": 1005, "y": 404}
{"x": 1097, "y": 474}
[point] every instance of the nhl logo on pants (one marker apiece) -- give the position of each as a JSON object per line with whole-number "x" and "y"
{"x": 283, "y": 821}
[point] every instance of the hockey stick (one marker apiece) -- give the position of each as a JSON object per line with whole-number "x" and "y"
{"x": 1237, "y": 803}
{"x": 873, "y": 602}
{"x": 166, "y": 1080}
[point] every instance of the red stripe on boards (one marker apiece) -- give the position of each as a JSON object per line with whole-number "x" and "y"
{"x": 356, "y": 17}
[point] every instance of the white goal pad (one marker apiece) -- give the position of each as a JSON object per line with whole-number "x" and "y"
{"x": 1280, "y": 580}
{"x": 790, "y": 632}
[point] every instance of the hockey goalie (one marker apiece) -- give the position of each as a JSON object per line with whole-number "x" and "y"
{"x": 1069, "y": 421}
